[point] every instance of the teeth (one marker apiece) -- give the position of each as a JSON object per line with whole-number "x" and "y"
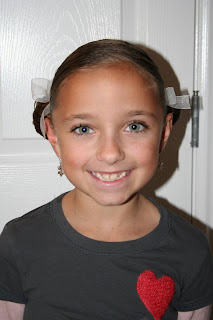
{"x": 123, "y": 174}
{"x": 113, "y": 176}
{"x": 105, "y": 177}
{"x": 110, "y": 177}
{"x": 98, "y": 175}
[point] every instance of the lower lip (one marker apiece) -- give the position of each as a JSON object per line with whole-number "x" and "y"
{"x": 111, "y": 183}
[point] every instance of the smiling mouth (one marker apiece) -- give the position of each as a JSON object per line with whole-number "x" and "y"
{"x": 110, "y": 176}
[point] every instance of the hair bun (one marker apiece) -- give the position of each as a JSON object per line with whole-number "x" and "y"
{"x": 39, "y": 107}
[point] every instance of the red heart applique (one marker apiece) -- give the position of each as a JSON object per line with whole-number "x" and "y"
{"x": 156, "y": 294}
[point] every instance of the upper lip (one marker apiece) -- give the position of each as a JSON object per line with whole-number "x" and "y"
{"x": 109, "y": 172}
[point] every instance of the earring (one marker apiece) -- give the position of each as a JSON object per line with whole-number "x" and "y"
{"x": 60, "y": 169}
{"x": 160, "y": 165}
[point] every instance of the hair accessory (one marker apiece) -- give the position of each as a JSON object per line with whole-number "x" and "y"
{"x": 40, "y": 89}
{"x": 176, "y": 102}
{"x": 60, "y": 168}
{"x": 45, "y": 112}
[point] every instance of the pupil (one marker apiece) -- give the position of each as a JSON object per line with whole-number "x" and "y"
{"x": 84, "y": 129}
{"x": 134, "y": 127}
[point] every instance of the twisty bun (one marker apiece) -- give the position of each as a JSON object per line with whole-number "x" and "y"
{"x": 39, "y": 107}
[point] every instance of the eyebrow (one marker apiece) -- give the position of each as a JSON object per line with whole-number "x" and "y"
{"x": 88, "y": 116}
{"x": 134, "y": 113}
{"x": 82, "y": 116}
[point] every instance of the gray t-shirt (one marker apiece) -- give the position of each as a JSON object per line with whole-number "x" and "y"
{"x": 61, "y": 274}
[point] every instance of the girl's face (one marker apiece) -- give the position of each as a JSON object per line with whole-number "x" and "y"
{"x": 108, "y": 129}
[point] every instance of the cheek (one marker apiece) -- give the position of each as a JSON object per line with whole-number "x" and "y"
{"x": 147, "y": 151}
{"x": 74, "y": 155}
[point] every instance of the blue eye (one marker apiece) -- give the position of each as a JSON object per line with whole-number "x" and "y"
{"x": 135, "y": 127}
{"x": 83, "y": 130}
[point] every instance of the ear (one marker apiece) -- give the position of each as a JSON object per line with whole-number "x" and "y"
{"x": 166, "y": 131}
{"x": 52, "y": 137}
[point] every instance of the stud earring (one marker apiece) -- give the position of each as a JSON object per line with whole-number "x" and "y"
{"x": 60, "y": 169}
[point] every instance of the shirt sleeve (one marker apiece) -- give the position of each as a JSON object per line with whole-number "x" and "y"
{"x": 197, "y": 287}
{"x": 10, "y": 279}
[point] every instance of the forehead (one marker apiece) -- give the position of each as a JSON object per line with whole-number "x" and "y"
{"x": 119, "y": 86}
{"x": 116, "y": 67}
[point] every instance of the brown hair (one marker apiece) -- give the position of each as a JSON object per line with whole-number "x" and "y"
{"x": 103, "y": 52}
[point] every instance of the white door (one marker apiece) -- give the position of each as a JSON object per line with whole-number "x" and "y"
{"x": 35, "y": 38}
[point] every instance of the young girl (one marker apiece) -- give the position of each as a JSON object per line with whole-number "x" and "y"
{"x": 104, "y": 251}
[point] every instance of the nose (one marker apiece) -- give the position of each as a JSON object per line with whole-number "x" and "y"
{"x": 110, "y": 150}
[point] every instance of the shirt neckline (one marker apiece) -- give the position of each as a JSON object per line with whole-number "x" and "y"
{"x": 109, "y": 248}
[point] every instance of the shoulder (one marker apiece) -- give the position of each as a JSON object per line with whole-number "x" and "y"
{"x": 188, "y": 252}
{"x": 183, "y": 240}
{"x": 182, "y": 232}
{"x": 29, "y": 219}
{"x": 33, "y": 222}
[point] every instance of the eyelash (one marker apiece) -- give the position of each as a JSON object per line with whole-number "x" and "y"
{"x": 80, "y": 126}
{"x": 145, "y": 126}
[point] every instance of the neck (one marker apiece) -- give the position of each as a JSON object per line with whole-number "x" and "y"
{"x": 128, "y": 221}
